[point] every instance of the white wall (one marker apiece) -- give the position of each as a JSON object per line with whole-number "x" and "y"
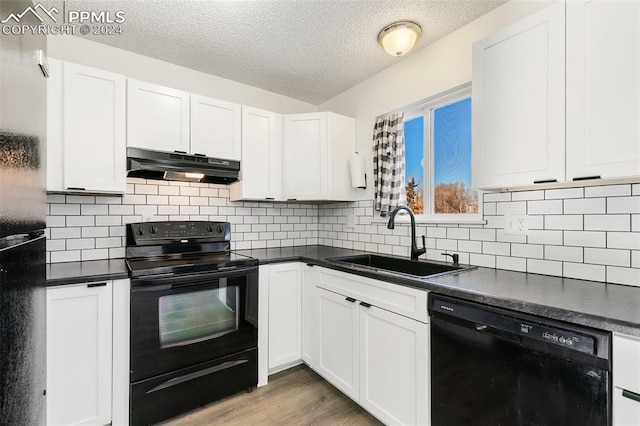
{"x": 428, "y": 72}
{"x": 133, "y": 65}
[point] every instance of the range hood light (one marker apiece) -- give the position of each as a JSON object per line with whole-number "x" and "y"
{"x": 197, "y": 176}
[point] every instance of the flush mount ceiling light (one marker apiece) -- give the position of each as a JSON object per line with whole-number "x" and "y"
{"x": 398, "y": 38}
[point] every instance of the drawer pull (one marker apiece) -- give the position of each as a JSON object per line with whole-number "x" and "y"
{"x": 270, "y": 198}
{"x": 585, "y": 178}
{"x": 365, "y": 304}
{"x": 75, "y": 188}
{"x": 631, "y": 395}
{"x": 545, "y": 181}
{"x": 96, "y": 285}
{"x": 350, "y": 299}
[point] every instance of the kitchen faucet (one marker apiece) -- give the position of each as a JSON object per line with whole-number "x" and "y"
{"x": 415, "y": 251}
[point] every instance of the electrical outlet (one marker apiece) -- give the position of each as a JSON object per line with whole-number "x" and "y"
{"x": 516, "y": 224}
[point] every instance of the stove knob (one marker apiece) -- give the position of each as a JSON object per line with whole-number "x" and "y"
{"x": 209, "y": 228}
{"x": 153, "y": 230}
{"x": 140, "y": 230}
{"x": 220, "y": 229}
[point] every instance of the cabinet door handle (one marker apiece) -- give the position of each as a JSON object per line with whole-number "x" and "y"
{"x": 545, "y": 181}
{"x": 292, "y": 199}
{"x": 631, "y": 395}
{"x": 96, "y": 285}
{"x": 350, "y": 299}
{"x": 269, "y": 198}
{"x": 365, "y": 304}
{"x": 180, "y": 152}
{"x": 585, "y": 178}
{"x": 75, "y": 188}
{"x": 199, "y": 155}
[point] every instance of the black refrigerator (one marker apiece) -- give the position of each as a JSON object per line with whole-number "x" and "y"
{"x": 22, "y": 222}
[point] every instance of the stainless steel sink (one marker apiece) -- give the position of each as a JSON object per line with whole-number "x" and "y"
{"x": 417, "y": 268}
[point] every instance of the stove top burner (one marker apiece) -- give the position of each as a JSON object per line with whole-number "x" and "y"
{"x": 180, "y": 247}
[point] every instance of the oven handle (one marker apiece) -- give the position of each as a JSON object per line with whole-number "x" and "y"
{"x": 165, "y": 280}
{"x": 192, "y": 376}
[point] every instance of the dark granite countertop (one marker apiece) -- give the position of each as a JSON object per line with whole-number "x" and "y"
{"x": 610, "y": 307}
{"x": 91, "y": 270}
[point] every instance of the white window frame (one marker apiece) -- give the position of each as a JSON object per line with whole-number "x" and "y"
{"x": 426, "y": 109}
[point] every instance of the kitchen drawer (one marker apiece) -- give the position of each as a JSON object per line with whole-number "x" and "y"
{"x": 406, "y": 301}
{"x": 626, "y": 411}
{"x": 626, "y": 363}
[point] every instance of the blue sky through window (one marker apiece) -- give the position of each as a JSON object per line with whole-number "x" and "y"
{"x": 452, "y": 143}
{"x": 414, "y": 149}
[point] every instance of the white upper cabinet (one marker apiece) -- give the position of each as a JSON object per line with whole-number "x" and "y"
{"x": 603, "y": 89}
{"x": 519, "y": 102}
{"x": 215, "y": 128}
{"x": 317, "y": 147}
{"x": 157, "y": 117}
{"x": 85, "y": 129}
{"x": 261, "y": 161}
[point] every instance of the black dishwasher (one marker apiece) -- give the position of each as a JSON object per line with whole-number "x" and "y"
{"x": 491, "y": 366}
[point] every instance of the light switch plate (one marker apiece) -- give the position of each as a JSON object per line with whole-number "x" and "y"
{"x": 516, "y": 224}
{"x": 351, "y": 220}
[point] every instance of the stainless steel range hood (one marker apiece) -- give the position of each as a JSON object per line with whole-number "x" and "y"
{"x": 149, "y": 164}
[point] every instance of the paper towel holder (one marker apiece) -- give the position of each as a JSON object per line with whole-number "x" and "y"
{"x": 358, "y": 175}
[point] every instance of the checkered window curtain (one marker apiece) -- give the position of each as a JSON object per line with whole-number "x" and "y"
{"x": 388, "y": 163}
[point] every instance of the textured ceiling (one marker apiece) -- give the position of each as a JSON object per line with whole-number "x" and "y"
{"x": 306, "y": 49}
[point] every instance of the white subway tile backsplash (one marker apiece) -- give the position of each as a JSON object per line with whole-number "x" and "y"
{"x": 555, "y": 194}
{"x": 623, "y": 204}
{"x": 562, "y": 253}
{"x": 527, "y": 195}
{"x": 584, "y": 271}
{"x": 623, "y": 240}
{"x": 609, "y": 222}
{"x": 544, "y": 267}
{"x": 566, "y": 222}
{"x": 585, "y": 238}
{"x": 544, "y": 237}
{"x": 636, "y": 189}
{"x": 563, "y": 248}
{"x": 511, "y": 263}
{"x": 613, "y": 257}
{"x": 585, "y": 206}
{"x": 629, "y": 276}
{"x": 64, "y": 209}
{"x": 607, "y": 191}
{"x": 502, "y": 249}
{"x": 532, "y": 251}
{"x": 544, "y": 207}
{"x": 497, "y": 196}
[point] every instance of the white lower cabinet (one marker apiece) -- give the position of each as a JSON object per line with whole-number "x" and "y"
{"x": 394, "y": 367}
{"x": 338, "y": 342}
{"x": 377, "y": 357}
{"x": 285, "y": 315}
{"x": 626, "y": 380}
{"x": 87, "y": 354}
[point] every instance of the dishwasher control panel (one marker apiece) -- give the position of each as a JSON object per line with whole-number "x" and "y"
{"x": 509, "y": 323}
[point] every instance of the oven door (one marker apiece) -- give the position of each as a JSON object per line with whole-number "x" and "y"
{"x": 182, "y": 320}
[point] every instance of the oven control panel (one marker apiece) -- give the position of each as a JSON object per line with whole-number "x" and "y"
{"x": 144, "y": 233}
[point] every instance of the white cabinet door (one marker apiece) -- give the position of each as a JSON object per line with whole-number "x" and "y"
{"x": 394, "y": 365}
{"x": 603, "y": 89}
{"x": 626, "y": 408}
{"x": 309, "y": 314}
{"x": 86, "y": 135}
{"x": 261, "y": 164}
{"x": 285, "y": 315}
{"x": 338, "y": 342}
{"x": 79, "y": 351}
{"x": 215, "y": 128}
{"x": 519, "y": 102}
{"x": 94, "y": 130}
{"x": 157, "y": 117}
{"x": 305, "y": 156}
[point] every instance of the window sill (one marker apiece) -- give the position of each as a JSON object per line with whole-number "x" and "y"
{"x": 433, "y": 220}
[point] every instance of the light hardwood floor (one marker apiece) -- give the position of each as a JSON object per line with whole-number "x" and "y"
{"x": 297, "y": 396}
